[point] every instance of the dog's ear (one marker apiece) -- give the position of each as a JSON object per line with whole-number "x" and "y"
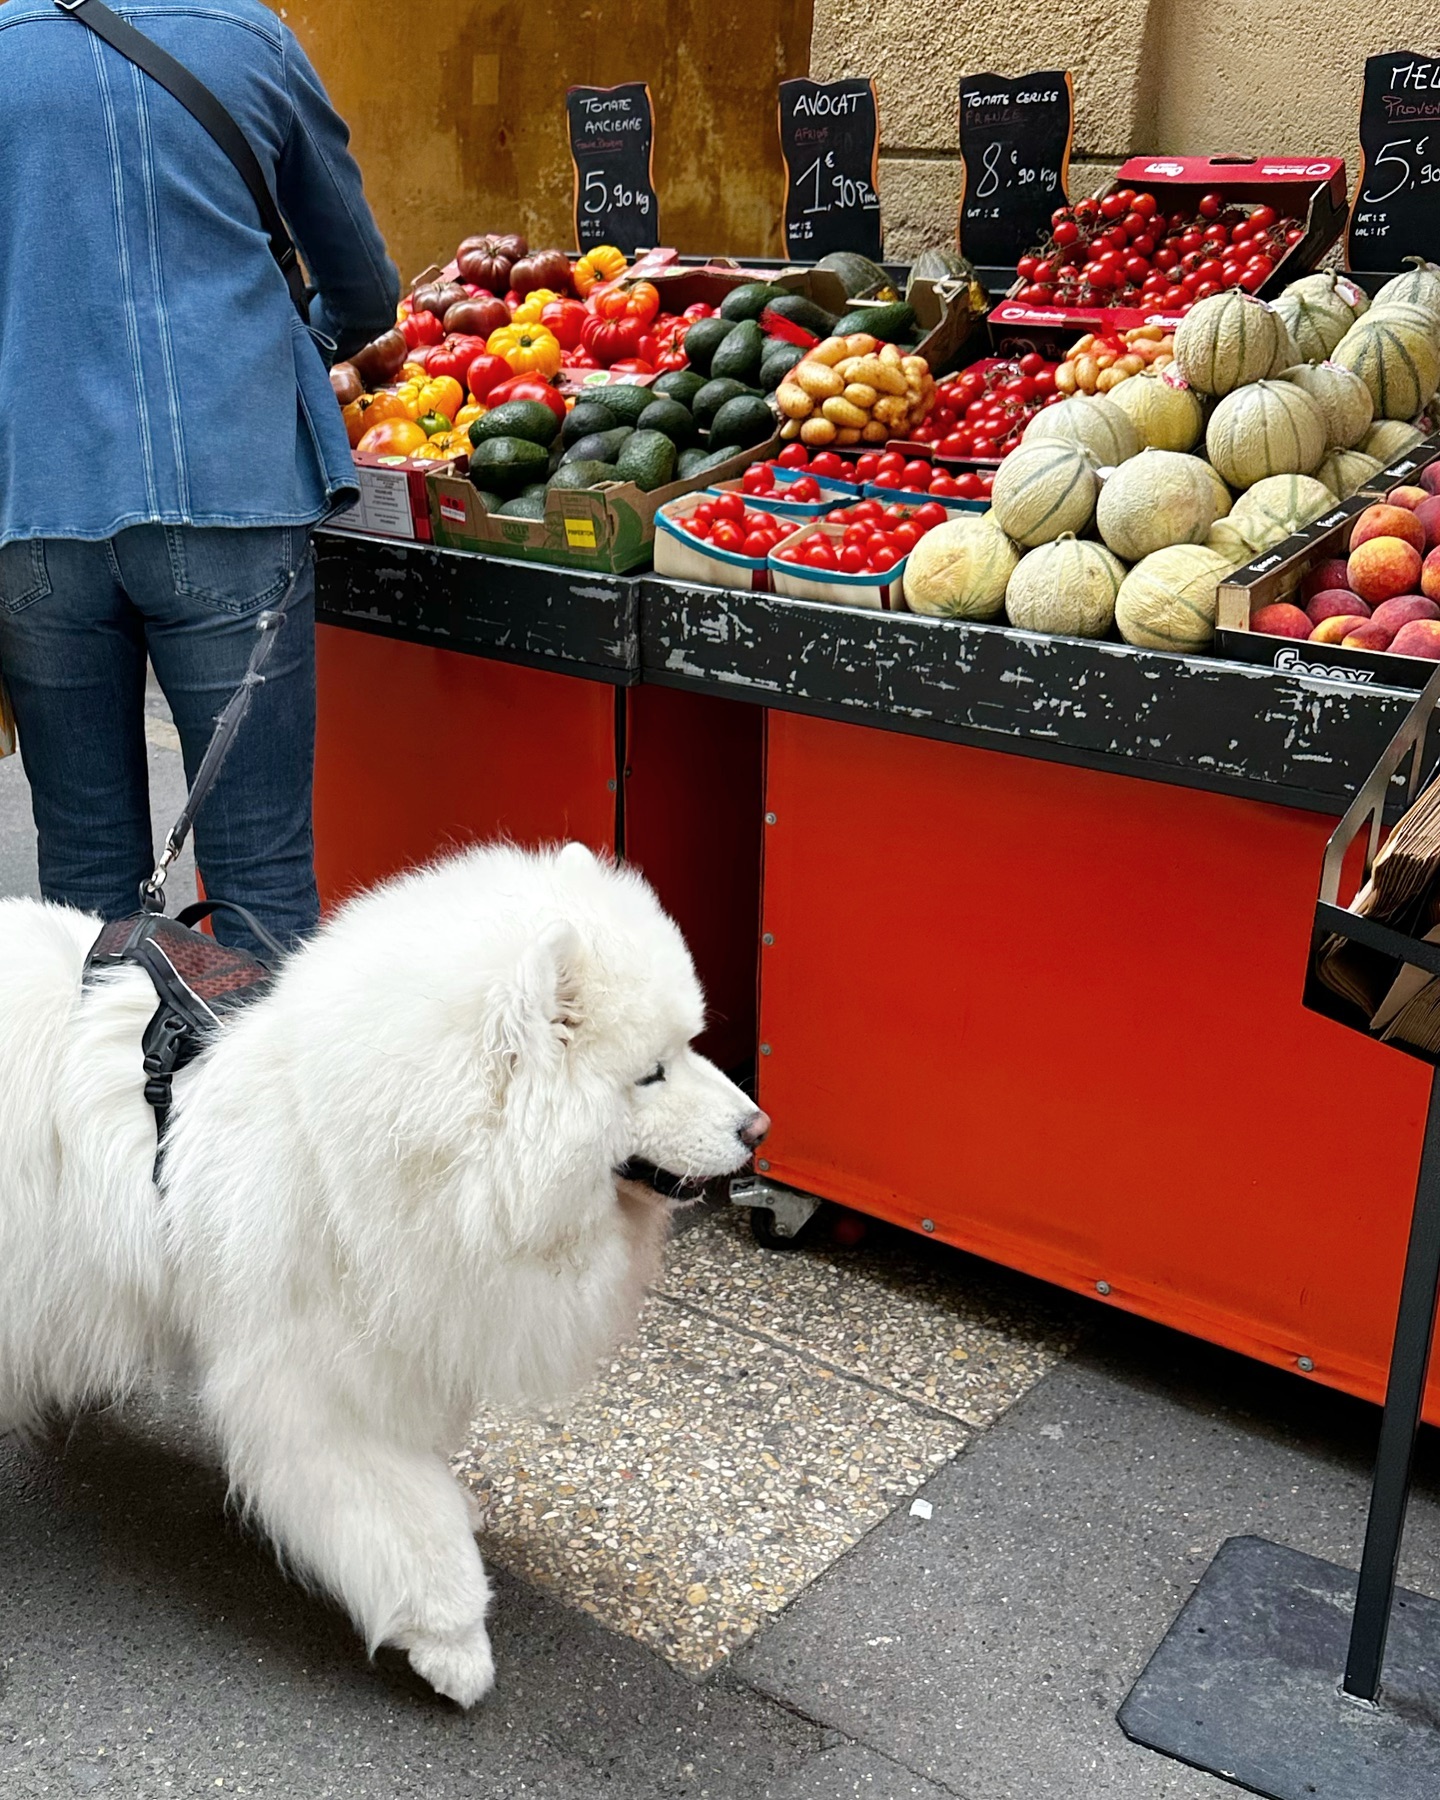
{"x": 576, "y": 856}
{"x": 554, "y": 978}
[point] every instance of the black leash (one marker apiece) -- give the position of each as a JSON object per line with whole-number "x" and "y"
{"x": 202, "y": 106}
{"x": 152, "y": 890}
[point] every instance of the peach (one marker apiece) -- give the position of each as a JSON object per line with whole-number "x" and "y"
{"x": 1385, "y": 566}
{"x": 1387, "y": 522}
{"x": 1336, "y": 603}
{"x": 1419, "y": 638}
{"x": 1428, "y": 513}
{"x": 1430, "y": 576}
{"x": 1327, "y": 574}
{"x": 1408, "y": 497}
{"x": 1281, "y": 620}
{"x": 1369, "y": 636}
{"x": 1336, "y": 630}
{"x": 1403, "y": 609}
{"x": 1430, "y": 478}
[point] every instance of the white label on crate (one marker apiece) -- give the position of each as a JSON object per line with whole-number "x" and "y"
{"x": 385, "y": 500}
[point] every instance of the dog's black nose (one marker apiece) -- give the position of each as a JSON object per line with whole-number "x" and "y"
{"x": 755, "y": 1130}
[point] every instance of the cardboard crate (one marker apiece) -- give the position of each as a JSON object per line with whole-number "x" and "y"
{"x": 607, "y": 529}
{"x": 394, "y": 499}
{"x": 1308, "y": 189}
{"x": 1277, "y": 574}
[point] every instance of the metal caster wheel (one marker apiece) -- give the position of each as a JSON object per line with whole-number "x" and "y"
{"x": 762, "y": 1229}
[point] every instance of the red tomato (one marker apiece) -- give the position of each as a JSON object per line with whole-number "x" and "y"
{"x": 854, "y": 534}
{"x": 486, "y": 372}
{"x": 790, "y": 553}
{"x": 892, "y": 459}
{"x": 794, "y": 456}
{"x": 866, "y": 466}
{"x": 528, "y": 387}
{"x": 883, "y": 555}
{"x": 895, "y": 514}
{"x": 728, "y": 506}
{"x": 916, "y": 476}
{"x": 957, "y": 444}
{"x": 757, "y": 543}
{"x": 759, "y": 478}
{"x": 1263, "y": 217}
{"x": 804, "y": 489}
{"x": 931, "y": 514}
{"x": 906, "y": 536}
{"x": 827, "y": 463}
{"x": 1211, "y": 206}
{"x": 866, "y": 509}
{"x": 946, "y": 489}
{"x": 887, "y": 478}
{"x": 728, "y": 535}
{"x": 819, "y": 552}
{"x": 852, "y": 560}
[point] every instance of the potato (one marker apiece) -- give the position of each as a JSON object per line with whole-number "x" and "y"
{"x": 858, "y": 394}
{"x": 847, "y": 436}
{"x": 861, "y": 343}
{"x": 875, "y": 433}
{"x": 818, "y": 431}
{"x": 793, "y": 401}
{"x": 877, "y": 374}
{"x": 817, "y": 379}
{"x": 840, "y": 412}
{"x": 830, "y": 350}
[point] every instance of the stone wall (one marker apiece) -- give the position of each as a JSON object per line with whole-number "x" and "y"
{"x": 1192, "y": 77}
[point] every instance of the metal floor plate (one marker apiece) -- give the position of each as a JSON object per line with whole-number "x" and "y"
{"x": 1247, "y": 1684}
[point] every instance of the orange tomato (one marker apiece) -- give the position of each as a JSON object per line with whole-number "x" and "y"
{"x": 368, "y": 410}
{"x": 393, "y": 437}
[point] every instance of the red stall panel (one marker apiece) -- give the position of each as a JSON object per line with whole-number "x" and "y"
{"x": 1057, "y": 1014}
{"x": 419, "y": 749}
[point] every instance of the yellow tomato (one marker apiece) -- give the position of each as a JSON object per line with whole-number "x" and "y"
{"x": 529, "y": 349}
{"x": 468, "y": 413}
{"x": 529, "y": 310}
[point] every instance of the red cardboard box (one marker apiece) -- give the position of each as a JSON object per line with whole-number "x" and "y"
{"x": 394, "y": 500}
{"x": 1309, "y": 190}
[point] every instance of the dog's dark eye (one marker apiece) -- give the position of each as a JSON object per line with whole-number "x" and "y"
{"x": 656, "y": 1074}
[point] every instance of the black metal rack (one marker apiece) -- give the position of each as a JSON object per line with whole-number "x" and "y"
{"x": 1248, "y": 1684}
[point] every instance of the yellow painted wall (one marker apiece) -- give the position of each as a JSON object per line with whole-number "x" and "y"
{"x": 458, "y": 111}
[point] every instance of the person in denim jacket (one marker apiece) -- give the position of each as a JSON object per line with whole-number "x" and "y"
{"x": 168, "y": 435}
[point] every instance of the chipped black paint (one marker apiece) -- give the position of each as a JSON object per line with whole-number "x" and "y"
{"x": 561, "y": 619}
{"x": 1193, "y": 721}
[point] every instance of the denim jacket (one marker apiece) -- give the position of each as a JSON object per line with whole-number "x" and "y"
{"x": 152, "y": 366}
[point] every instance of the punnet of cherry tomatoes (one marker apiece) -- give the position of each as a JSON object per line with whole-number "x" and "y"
{"x": 1130, "y": 248}
{"x": 800, "y": 479}
{"x": 724, "y": 522}
{"x": 868, "y": 538}
{"x": 983, "y": 410}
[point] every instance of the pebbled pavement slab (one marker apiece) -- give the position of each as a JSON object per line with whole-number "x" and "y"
{"x": 990, "y": 1645}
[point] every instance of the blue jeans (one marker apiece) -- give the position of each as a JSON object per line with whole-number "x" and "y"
{"x": 77, "y": 621}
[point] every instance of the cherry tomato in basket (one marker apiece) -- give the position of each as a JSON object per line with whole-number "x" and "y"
{"x": 758, "y": 543}
{"x": 852, "y": 560}
{"x": 945, "y": 487}
{"x": 828, "y": 463}
{"x": 887, "y": 478}
{"x": 759, "y": 478}
{"x": 819, "y": 552}
{"x": 865, "y": 509}
{"x": 867, "y": 465}
{"x": 895, "y": 513}
{"x": 794, "y": 456}
{"x": 890, "y": 461}
{"x": 728, "y": 506}
{"x": 930, "y": 514}
{"x": 907, "y": 536}
{"x": 883, "y": 555}
{"x": 728, "y": 535}
{"x": 916, "y": 476}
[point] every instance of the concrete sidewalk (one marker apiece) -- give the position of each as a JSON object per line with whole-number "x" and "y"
{"x": 710, "y": 1581}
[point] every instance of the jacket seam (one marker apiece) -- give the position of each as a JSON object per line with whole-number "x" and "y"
{"x": 117, "y": 199}
{"x": 157, "y": 276}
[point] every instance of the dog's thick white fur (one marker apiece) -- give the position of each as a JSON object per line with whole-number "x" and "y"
{"x": 389, "y": 1193}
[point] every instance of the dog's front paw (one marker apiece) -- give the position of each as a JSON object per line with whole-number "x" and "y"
{"x": 462, "y": 1668}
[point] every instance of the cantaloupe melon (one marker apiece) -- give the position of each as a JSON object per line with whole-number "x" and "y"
{"x": 1165, "y": 413}
{"x": 960, "y": 570}
{"x": 1418, "y": 286}
{"x": 1157, "y": 498}
{"x": 1328, "y": 282}
{"x": 1224, "y": 499}
{"x": 1317, "y": 316}
{"x": 1343, "y": 471}
{"x": 1043, "y": 489}
{"x": 1341, "y": 395}
{"x": 1093, "y": 422}
{"x": 1396, "y": 359}
{"x": 1389, "y": 438}
{"x": 1066, "y": 587}
{"x": 1286, "y": 355}
{"x": 1167, "y": 602}
{"x": 1277, "y": 507}
{"x": 1226, "y": 540}
{"x": 1227, "y": 341}
{"x": 1267, "y": 428}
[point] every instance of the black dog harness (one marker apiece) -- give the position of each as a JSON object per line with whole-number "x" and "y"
{"x": 197, "y": 983}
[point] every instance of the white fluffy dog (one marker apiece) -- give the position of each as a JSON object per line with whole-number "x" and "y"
{"x": 389, "y": 1190}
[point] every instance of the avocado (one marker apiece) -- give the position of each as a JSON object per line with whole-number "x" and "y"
{"x": 507, "y": 464}
{"x": 648, "y": 460}
{"x": 586, "y": 416}
{"x": 703, "y": 339}
{"x": 677, "y": 384}
{"x": 742, "y": 422}
{"x": 626, "y": 400}
{"x": 488, "y": 498}
{"x": 675, "y": 420}
{"x": 524, "y": 506}
{"x": 582, "y": 475}
{"x": 713, "y": 396}
{"x": 598, "y": 446}
{"x": 778, "y": 360}
{"x": 517, "y": 418}
{"x": 738, "y": 358}
{"x": 750, "y": 301}
{"x": 888, "y": 323}
{"x": 696, "y": 462}
{"x": 804, "y": 313}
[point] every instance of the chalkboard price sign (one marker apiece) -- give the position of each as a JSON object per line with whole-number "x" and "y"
{"x": 1396, "y": 209}
{"x": 612, "y": 137}
{"x": 1015, "y": 161}
{"x": 830, "y": 137}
